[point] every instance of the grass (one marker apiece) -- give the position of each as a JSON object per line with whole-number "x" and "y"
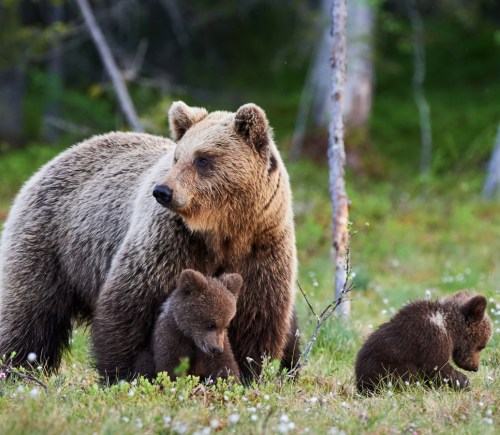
{"x": 409, "y": 239}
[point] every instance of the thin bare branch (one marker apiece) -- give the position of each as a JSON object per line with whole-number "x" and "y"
{"x": 102, "y": 46}
{"x": 11, "y": 371}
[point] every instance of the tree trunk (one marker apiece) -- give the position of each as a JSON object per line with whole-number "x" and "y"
{"x": 126, "y": 104}
{"x": 359, "y": 83}
{"x": 336, "y": 153}
{"x": 55, "y": 77}
{"x": 418, "y": 85}
{"x": 492, "y": 183}
{"x": 12, "y": 90}
{"x": 315, "y": 91}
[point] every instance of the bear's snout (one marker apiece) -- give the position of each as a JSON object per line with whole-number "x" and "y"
{"x": 216, "y": 350}
{"x": 163, "y": 195}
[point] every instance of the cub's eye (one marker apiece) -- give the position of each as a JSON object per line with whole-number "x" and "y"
{"x": 211, "y": 327}
{"x": 201, "y": 162}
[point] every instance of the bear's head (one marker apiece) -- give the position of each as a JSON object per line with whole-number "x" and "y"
{"x": 225, "y": 171}
{"x": 474, "y": 330}
{"x": 205, "y": 307}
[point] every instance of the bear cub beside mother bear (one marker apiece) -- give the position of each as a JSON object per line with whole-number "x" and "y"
{"x": 86, "y": 239}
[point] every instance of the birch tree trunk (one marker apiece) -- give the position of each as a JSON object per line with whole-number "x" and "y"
{"x": 359, "y": 83}
{"x": 492, "y": 183}
{"x": 124, "y": 99}
{"x": 418, "y": 85}
{"x": 336, "y": 152}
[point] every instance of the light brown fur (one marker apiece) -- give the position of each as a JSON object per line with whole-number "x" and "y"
{"x": 86, "y": 238}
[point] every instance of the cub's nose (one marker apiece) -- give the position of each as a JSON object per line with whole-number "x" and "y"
{"x": 163, "y": 194}
{"x": 216, "y": 349}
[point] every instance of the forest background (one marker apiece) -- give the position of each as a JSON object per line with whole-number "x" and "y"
{"x": 421, "y": 227}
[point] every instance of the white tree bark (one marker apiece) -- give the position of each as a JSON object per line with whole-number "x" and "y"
{"x": 124, "y": 99}
{"x": 359, "y": 84}
{"x": 492, "y": 183}
{"x": 418, "y": 85}
{"x": 336, "y": 153}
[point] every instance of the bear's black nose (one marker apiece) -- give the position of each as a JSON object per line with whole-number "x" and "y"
{"x": 163, "y": 194}
{"x": 216, "y": 349}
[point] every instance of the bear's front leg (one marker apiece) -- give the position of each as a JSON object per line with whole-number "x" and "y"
{"x": 220, "y": 366}
{"x": 123, "y": 319}
{"x": 447, "y": 375}
{"x": 261, "y": 327}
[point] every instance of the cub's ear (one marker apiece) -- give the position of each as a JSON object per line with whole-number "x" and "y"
{"x": 251, "y": 123}
{"x": 233, "y": 282}
{"x": 181, "y": 117}
{"x": 474, "y": 308}
{"x": 191, "y": 280}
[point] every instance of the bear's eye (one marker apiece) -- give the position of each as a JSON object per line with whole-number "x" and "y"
{"x": 211, "y": 326}
{"x": 201, "y": 162}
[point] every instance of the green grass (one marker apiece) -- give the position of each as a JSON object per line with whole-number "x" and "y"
{"x": 408, "y": 238}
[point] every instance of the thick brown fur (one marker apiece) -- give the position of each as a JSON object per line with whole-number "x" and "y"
{"x": 86, "y": 238}
{"x": 419, "y": 341}
{"x": 193, "y": 324}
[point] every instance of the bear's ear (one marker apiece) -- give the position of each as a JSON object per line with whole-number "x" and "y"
{"x": 251, "y": 123}
{"x": 191, "y": 280}
{"x": 233, "y": 282}
{"x": 474, "y": 308}
{"x": 181, "y": 117}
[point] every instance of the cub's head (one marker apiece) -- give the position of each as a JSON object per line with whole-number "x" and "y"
{"x": 205, "y": 307}
{"x": 223, "y": 168}
{"x": 475, "y": 330}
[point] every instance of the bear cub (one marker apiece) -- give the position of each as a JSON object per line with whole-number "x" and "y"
{"x": 193, "y": 324}
{"x": 418, "y": 342}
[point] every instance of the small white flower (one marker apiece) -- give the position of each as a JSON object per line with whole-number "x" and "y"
{"x": 35, "y": 392}
{"x": 313, "y": 400}
{"x": 389, "y": 384}
{"x": 481, "y": 404}
{"x": 457, "y": 382}
{"x": 384, "y": 312}
{"x": 244, "y": 399}
{"x": 214, "y": 423}
{"x": 226, "y": 399}
{"x": 254, "y": 417}
{"x": 390, "y": 393}
{"x": 488, "y": 420}
{"x": 32, "y": 357}
{"x": 370, "y": 326}
{"x": 428, "y": 293}
{"x": 344, "y": 405}
{"x": 125, "y": 419}
{"x": 138, "y": 423}
{"x": 131, "y": 393}
{"x": 167, "y": 420}
{"x": 180, "y": 399}
{"x": 251, "y": 409}
{"x": 407, "y": 383}
{"x": 284, "y": 418}
{"x": 172, "y": 390}
{"x": 266, "y": 397}
{"x": 282, "y": 428}
{"x": 233, "y": 418}
{"x": 259, "y": 405}
{"x": 385, "y": 301}
{"x": 489, "y": 412}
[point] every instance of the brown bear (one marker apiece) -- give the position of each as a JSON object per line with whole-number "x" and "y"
{"x": 418, "y": 342}
{"x": 102, "y": 232}
{"x": 193, "y": 324}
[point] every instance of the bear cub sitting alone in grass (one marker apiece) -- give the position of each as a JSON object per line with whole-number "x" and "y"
{"x": 193, "y": 324}
{"x": 418, "y": 342}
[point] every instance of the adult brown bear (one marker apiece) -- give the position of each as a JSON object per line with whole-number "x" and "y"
{"x": 102, "y": 232}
